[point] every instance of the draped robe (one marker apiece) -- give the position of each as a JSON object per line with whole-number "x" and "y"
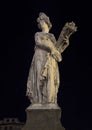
{"x": 43, "y": 80}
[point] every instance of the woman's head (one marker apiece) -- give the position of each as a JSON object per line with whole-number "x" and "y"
{"x": 43, "y": 18}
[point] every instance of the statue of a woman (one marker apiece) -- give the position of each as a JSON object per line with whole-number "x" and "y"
{"x": 43, "y": 80}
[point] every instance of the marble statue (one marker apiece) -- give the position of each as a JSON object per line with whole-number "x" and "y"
{"x": 43, "y": 80}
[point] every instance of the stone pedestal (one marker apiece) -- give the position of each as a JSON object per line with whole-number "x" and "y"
{"x": 43, "y": 117}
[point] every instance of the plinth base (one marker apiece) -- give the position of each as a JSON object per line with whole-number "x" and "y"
{"x": 43, "y": 117}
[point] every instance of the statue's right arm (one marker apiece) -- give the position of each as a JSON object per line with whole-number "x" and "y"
{"x": 37, "y": 39}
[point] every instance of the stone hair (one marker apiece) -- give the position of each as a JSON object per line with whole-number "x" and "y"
{"x": 43, "y": 16}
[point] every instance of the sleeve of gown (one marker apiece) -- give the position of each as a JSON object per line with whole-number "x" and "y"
{"x": 48, "y": 43}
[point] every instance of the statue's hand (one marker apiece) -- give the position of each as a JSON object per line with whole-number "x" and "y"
{"x": 56, "y": 55}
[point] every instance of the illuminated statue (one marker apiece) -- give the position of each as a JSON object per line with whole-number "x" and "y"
{"x": 43, "y": 80}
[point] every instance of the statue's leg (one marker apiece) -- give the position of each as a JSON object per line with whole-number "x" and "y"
{"x": 51, "y": 85}
{"x": 39, "y": 82}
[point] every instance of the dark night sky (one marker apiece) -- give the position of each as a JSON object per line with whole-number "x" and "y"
{"x": 75, "y": 70}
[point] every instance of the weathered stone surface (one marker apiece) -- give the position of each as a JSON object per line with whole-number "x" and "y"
{"x": 44, "y": 80}
{"x": 43, "y": 117}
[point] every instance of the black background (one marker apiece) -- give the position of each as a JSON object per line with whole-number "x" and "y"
{"x": 75, "y": 93}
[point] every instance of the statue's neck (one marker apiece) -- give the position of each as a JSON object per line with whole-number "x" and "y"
{"x": 46, "y": 30}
